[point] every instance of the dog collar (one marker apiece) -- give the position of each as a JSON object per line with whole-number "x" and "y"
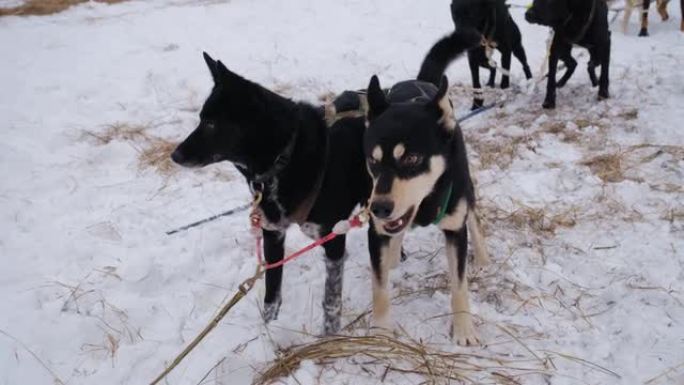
{"x": 445, "y": 203}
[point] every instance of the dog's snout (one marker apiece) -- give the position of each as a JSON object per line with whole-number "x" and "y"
{"x": 382, "y": 209}
{"x": 177, "y": 156}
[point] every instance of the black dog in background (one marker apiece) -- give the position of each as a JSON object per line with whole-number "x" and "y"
{"x": 481, "y": 25}
{"x": 581, "y": 22}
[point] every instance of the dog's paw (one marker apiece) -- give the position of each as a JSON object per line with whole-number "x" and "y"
{"x": 477, "y": 103}
{"x": 271, "y": 310}
{"x": 549, "y": 104}
{"x": 603, "y": 95}
{"x": 463, "y": 332}
{"x": 643, "y": 32}
{"x": 561, "y": 83}
{"x": 528, "y": 73}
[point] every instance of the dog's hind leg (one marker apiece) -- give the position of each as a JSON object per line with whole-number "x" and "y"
{"x": 570, "y": 64}
{"x": 661, "y": 7}
{"x": 462, "y": 329}
{"x": 332, "y": 299}
{"x": 519, "y": 53}
{"x": 644, "y": 18}
{"x": 273, "y": 252}
{"x": 481, "y": 256}
{"x": 605, "y": 65}
{"x": 550, "y": 99}
{"x": 384, "y": 252}
{"x": 594, "y": 61}
{"x": 492, "y": 77}
{"x": 474, "y": 57}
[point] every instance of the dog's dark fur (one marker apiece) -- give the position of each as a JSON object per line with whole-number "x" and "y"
{"x": 476, "y": 20}
{"x": 416, "y": 154}
{"x": 282, "y": 148}
{"x": 580, "y": 22}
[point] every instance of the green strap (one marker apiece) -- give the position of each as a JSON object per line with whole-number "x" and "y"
{"x": 443, "y": 209}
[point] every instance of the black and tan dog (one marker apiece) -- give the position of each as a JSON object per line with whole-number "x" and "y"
{"x": 574, "y": 22}
{"x": 417, "y": 159}
{"x": 481, "y": 25}
{"x": 661, "y": 7}
{"x": 309, "y": 174}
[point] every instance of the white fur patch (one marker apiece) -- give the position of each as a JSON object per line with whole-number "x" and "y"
{"x": 399, "y": 151}
{"x": 457, "y": 218}
{"x": 377, "y": 153}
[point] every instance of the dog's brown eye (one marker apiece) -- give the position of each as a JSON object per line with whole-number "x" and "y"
{"x": 411, "y": 160}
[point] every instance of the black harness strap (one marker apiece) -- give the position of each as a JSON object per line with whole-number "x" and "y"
{"x": 583, "y": 31}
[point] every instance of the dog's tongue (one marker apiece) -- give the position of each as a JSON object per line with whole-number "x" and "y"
{"x": 395, "y": 224}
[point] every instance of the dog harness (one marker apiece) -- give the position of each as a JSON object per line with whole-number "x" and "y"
{"x": 583, "y": 31}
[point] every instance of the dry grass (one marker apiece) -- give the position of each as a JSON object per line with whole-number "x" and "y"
{"x": 46, "y": 7}
{"x": 497, "y": 153}
{"x": 538, "y": 220}
{"x": 406, "y": 357}
{"x": 154, "y": 152}
{"x": 608, "y": 167}
{"x": 157, "y": 155}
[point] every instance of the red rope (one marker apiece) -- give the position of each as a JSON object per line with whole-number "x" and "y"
{"x": 353, "y": 222}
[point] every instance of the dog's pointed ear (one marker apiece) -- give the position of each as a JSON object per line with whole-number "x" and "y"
{"x": 213, "y": 68}
{"x": 377, "y": 101}
{"x": 441, "y": 105}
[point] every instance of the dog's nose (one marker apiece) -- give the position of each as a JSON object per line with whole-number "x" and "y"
{"x": 177, "y": 156}
{"x": 382, "y": 209}
{"x": 529, "y": 16}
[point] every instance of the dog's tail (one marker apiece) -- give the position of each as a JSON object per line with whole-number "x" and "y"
{"x": 442, "y": 53}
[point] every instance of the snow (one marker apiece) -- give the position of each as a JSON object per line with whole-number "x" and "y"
{"x": 93, "y": 291}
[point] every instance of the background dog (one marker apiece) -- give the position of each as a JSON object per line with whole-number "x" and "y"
{"x": 661, "y": 7}
{"x": 282, "y": 148}
{"x": 417, "y": 159}
{"x": 580, "y": 22}
{"x": 481, "y": 26}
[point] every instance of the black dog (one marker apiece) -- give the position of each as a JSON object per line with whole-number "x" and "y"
{"x": 581, "y": 22}
{"x": 307, "y": 173}
{"x": 417, "y": 159}
{"x": 481, "y": 25}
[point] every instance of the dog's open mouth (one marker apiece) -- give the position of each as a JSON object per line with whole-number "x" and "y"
{"x": 395, "y": 226}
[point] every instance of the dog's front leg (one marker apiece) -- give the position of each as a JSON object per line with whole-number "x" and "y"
{"x": 462, "y": 328}
{"x": 550, "y": 100}
{"x": 605, "y": 65}
{"x": 273, "y": 252}
{"x": 384, "y": 252}
{"x": 332, "y": 299}
{"x": 474, "y": 56}
{"x": 506, "y": 65}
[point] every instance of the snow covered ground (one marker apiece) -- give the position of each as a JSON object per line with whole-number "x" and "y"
{"x": 584, "y": 205}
